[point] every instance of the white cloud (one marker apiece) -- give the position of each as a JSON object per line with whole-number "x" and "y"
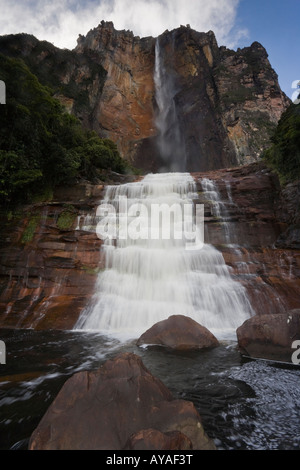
{"x": 61, "y": 21}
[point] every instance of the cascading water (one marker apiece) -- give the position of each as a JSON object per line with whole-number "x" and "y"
{"x": 147, "y": 279}
{"x": 150, "y": 277}
{"x": 170, "y": 143}
{"x": 219, "y": 210}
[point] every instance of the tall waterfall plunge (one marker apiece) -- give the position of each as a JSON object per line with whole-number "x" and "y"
{"x": 170, "y": 143}
{"x": 148, "y": 279}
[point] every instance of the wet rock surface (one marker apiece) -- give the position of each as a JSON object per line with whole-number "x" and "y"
{"x": 114, "y": 408}
{"x": 270, "y": 336}
{"x": 50, "y": 256}
{"x": 152, "y": 439}
{"x": 180, "y": 333}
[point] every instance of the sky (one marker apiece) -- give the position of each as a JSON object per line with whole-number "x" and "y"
{"x": 236, "y": 23}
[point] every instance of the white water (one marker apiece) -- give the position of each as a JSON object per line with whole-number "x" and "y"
{"x": 147, "y": 280}
{"x": 219, "y": 210}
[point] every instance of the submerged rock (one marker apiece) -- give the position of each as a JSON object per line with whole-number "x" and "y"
{"x": 104, "y": 409}
{"x": 179, "y": 332}
{"x": 270, "y": 336}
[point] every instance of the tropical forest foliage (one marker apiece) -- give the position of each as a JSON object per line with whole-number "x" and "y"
{"x": 41, "y": 145}
{"x": 284, "y": 154}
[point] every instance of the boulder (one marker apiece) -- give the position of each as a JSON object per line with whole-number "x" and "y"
{"x": 179, "y": 332}
{"x": 104, "y": 409}
{"x": 270, "y": 336}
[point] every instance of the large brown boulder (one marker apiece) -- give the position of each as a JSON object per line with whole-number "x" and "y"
{"x": 104, "y": 409}
{"x": 270, "y": 336}
{"x": 179, "y": 332}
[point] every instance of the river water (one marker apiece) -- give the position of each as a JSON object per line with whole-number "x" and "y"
{"x": 244, "y": 404}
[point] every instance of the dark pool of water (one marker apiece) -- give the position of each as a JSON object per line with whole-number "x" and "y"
{"x": 244, "y": 405}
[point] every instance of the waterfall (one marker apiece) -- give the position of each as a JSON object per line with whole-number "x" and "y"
{"x": 147, "y": 279}
{"x": 212, "y": 195}
{"x": 150, "y": 276}
{"x": 170, "y": 142}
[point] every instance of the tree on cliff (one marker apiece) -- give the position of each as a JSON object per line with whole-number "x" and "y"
{"x": 42, "y": 146}
{"x": 284, "y": 154}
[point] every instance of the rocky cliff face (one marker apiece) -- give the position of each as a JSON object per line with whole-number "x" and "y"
{"x": 125, "y": 109}
{"x": 50, "y": 256}
{"x": 226, "y": 103}
{"x": 76, "y": 80}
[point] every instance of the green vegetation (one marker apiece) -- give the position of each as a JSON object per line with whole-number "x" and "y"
{"x": 42, "y": 146}
{"x": 90, "y": 270}
{"x": 66, "y": 218}
{"x": 284, "y": 154}
{"x": 253, "y": 57}
{"x": 49, "y": 63}
{"x": 29, "y": 231}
